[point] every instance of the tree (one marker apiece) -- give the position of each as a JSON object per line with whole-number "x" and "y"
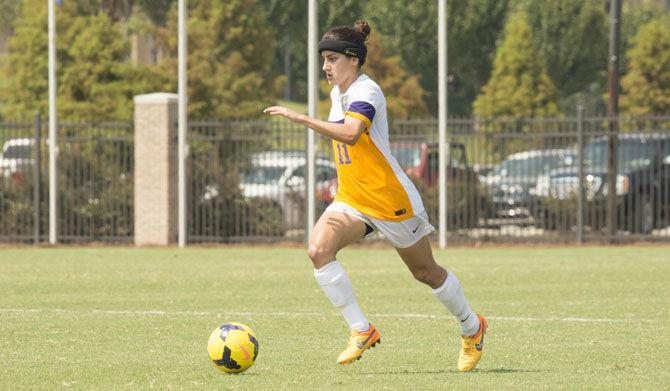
{"x": 25, "y": 68}
{"x": 122, "y": 10}
{"x": 474, "y": 27}
{"x": 519, "y": 85}
{"x": 646, "y": 86}
{"x": 95, "y": 80}
{"x": 572, "y": 35}
{"x": 559, "y": 30}
{"x": 410, "y": 29}
{"x": 635, "y": 15}
{"x": 404, "y": 94}
{"x": 156, "y": 10}
{"x": 98, "y": 82}
{"x": 230, "y": 54}
{"x": 8, "y": 12}
{"x": 116, "y": 9}
{"x": 290, "y": 19}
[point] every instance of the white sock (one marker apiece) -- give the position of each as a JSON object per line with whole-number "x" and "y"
{"x": 335, "y": 282}
{"x": 451, "y": 295}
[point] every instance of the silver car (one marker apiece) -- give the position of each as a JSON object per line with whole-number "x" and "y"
{"x": 281, "y": 177}
{"x": 16, "y": 156}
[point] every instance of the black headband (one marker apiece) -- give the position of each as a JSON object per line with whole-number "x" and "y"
{"x": 347, "y": 48}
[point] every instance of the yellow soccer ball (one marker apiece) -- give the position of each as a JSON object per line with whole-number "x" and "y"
{"x": 232, "y": 347}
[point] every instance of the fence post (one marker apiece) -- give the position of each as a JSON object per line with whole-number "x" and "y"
{"x": 580, "y": 156}
{"x": 156, "y": 179}
{"x": 38, "y": 178}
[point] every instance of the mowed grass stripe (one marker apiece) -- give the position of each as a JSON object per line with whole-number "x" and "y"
{"x": 312, "y": 314}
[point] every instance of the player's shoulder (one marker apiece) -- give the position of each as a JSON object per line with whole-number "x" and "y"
{"x": 365, "y": 82}
{"x": 366, "y": 87}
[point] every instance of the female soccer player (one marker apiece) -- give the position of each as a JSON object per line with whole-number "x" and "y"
{"x": 373, "y": 193}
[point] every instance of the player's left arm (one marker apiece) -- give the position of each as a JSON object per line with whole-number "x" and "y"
{"x": 347, "y": 133}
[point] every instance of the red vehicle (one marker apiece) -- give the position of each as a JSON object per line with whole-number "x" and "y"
{"x": 421, "y": 160}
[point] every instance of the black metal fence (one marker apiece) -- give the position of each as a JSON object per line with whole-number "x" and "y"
{"x": 507, "y": 180}
{"x": 246, "y": 181}
{"x": 20, "y": 189}
{"x": 94, "y": 182}
{"x": 546, "y": 179}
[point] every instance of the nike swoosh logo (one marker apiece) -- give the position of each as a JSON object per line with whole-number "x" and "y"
{"x": 246, "y": 354}
{"x": 480, "y": 345}
{"x": 417, "y": 227}
{"x": 362, "y": 344}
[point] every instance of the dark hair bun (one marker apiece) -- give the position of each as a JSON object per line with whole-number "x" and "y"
{"x": 361, "y": 26}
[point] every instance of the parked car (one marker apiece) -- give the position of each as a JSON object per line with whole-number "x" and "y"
{"x": 281, "y": 176}
{"x": 420, "y": 160}
{"x": 512, "y": 182}
{"x": 17, "y": 156}
{"x": 642, "y": 185}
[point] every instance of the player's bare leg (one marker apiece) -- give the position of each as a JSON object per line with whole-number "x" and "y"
{"x": 334, "y": 231}
{"x": 419, "y": 259}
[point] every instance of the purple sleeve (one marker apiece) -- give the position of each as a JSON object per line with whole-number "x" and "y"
{"x": 363, "y": 108}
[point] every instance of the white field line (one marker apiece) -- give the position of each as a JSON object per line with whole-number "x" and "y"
{"x": 318, "y": 314}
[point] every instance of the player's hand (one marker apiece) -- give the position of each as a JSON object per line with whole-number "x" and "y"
{"x": 284, "y": 112}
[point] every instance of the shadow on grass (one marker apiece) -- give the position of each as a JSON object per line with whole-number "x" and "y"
{"x": 438, "y": 371}
{"x": 507, "y": 370}
{"x": 414, "y": 372}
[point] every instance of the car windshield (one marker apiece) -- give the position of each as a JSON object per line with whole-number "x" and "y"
{"x": 630, "y": 154}
{"x": 407, "y": 156}
{"x": 530, "y": 167}
{"x": 18, "y": 152}
{"x": 263, "y": 174}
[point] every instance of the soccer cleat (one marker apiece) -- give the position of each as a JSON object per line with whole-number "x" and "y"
{"x": 472, "y": 347}
{"x": 358, "y": 342}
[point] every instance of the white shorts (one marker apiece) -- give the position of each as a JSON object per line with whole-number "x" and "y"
{"x": 401, "y": 234}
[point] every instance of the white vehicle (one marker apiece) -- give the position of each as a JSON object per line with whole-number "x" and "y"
{"x": 282, "y": 176}
{"x": 17, "y": 155}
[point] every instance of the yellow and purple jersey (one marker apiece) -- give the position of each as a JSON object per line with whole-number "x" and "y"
{"x": 369, "y": 177}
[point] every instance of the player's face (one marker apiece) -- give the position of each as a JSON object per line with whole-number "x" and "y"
{"x": 338, "y": 67}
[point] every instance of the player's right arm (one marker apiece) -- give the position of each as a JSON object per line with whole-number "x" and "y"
{"x": 347, "y": 133}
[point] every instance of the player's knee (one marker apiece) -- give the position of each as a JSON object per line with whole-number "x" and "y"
{"x": 421, "y": 274}
{"x": 428, "y": 276}
{"x": 320, "y": 254}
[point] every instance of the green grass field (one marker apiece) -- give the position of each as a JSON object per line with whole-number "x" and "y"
{"x": 117, "y": 318}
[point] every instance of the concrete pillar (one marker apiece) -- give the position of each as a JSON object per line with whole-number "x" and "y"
{"x": 156, "y": 202}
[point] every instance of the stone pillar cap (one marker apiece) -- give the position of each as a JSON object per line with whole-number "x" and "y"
{"x": 157, "y": 97}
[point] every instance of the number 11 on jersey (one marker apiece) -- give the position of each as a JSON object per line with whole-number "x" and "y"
{"x": 343, "y": 148}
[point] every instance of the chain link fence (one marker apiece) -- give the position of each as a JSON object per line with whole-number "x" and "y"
{"x": 507, "y": 180}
